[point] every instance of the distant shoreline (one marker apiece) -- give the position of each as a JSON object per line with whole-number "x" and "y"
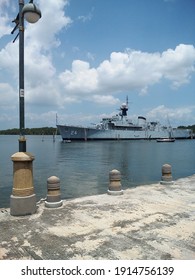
{"x": 31, "y": 131}
{"x": 54, "y": 131}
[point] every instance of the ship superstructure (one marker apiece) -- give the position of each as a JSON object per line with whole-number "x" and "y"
{"x": 120, "y": 127}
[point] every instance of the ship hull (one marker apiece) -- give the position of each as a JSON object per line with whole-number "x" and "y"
{"x": 76, "y": 133}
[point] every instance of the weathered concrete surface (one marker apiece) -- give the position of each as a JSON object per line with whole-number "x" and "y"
{"x": 148, "y": 222}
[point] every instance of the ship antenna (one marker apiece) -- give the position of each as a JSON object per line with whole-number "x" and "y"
{"x": 127, "y": 102}
{"x": 56, "y": 119}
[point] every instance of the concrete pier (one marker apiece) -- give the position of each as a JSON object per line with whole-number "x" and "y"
{"x": 148, "y": 222}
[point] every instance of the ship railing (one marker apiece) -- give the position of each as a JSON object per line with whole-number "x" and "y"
{"x": 80, "y": 126}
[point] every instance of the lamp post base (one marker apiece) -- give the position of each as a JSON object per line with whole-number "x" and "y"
{"x": 21, "y": 206}
{"x": 23, "y": 198}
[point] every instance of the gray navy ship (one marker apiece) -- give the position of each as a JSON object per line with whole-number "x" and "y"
{"x": 119, "y": 127}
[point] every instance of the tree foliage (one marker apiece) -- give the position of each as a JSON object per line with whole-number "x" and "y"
{"x": 188, "y": 127}
{"x": 30, "y": 131}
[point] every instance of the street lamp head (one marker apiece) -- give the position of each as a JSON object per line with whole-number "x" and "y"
{"x": 31, "y": 13}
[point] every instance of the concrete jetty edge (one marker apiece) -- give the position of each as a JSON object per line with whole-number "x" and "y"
{"x": 148, "y": 222}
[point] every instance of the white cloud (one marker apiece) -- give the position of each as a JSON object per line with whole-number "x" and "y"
{"x": 43, "y": 34}
{"x": 87, "y": 17}
{"x": 40, "y": 39}
{"x": 81, "y": 80}
{"x": 127, "y": 71}
{"x": 131, "y": 70}
{"x": 181, "y": 114}
{"x": 4, "y": 28}
{"x": 165, "y": 115}
{"x": 9, "y": 59}
{"x": 4, "y": 3}
{"x": 7, "y": 95}
{"x": 4, "y": 18}
{"x": 178, "y": 65}
{"x": 90, "y": 56}
{"x": 45, "y": 119}
{"x": 105, "y": 99}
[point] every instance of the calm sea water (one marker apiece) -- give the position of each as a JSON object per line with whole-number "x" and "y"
{"x": 83, "y": 167}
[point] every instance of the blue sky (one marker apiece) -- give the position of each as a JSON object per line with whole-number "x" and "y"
{"x": 85, "y": 56}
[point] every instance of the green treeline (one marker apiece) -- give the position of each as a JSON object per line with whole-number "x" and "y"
{"x": 188, "y": 127}
{"x": 30, "y": 131}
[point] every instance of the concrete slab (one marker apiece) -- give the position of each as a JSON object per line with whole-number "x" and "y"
{"x": 148, "y": 222}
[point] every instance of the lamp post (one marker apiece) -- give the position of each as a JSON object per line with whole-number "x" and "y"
{"x": 23, "y": 198}
{"x": 32, "y": 14}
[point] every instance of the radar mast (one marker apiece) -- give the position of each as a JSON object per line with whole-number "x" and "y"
{"x": 124, "y": 108}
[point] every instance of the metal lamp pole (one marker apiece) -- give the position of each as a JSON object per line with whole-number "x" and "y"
{"x": 23, "y": 198}
{"x": 32, "y": 14}
{"x": 22, "y": 139}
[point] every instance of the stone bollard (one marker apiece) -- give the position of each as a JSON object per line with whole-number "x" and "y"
{"x": 53, "y": 193}
{"x": 166, "y": 178}
{"x": 115, "y": 183}
{"x": 23, "y": 198}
